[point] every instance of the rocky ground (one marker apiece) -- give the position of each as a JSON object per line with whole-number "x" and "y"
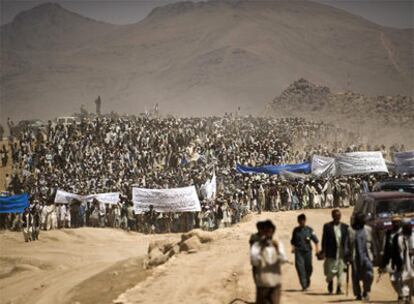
{"x": 111, "y": 266}
{"x": 381, "y": 119}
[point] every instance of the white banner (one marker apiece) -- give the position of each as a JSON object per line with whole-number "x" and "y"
{"x": 404, "y": 162}
{"x": 166, "y": 200}
{"x": 286, "y": 175}
{"x": 105, "y": 198}
{"x": 323, "y": 166}
{"x": 360, "y": 163}
{"x": 63, "y": 197}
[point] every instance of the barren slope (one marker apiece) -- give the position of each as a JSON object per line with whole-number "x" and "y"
{"x": 203, "y": 58}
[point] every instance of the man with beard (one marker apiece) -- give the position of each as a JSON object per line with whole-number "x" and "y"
{"x": 334, "y": 241}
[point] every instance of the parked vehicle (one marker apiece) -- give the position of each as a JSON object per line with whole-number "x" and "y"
{"x": 379, "y": 207}
{"x": 34, "y": 124}
{"x": 400, "y": 185}
{"x": 67, "y": 120}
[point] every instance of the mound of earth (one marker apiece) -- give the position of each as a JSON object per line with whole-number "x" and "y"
{"x": 385, "y": 119}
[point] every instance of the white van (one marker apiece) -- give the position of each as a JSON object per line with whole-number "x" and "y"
{"x": 66, "y": 120}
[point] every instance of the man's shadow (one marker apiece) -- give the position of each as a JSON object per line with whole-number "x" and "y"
{"x": 240, "y": 301}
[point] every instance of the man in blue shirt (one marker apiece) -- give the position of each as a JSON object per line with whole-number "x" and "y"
{"x": 302, "y": 237}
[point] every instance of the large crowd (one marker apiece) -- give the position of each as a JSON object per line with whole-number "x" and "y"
{"x": 101, "y": 154}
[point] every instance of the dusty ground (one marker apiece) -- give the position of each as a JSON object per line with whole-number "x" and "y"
{"x": 67, "y": 266}
{"x": 96, "y": 265}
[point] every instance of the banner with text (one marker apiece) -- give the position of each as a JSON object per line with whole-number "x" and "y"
{"x": 63, "y": 197}
{"x": 166, "y": 200}
{"x": 323, "y": 166}
{"x": 360, "y": 163}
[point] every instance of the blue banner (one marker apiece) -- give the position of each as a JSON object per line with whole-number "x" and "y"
{"x": 271, "y": 169}
{"x": 14, "y": 204}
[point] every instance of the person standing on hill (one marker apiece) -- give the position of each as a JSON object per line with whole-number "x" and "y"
{"x": 302, "y": 237}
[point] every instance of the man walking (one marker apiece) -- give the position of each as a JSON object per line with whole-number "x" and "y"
{"x": 334, "y": 247}
{"x": 302, "y": 237}
{"x": 388, "y": 262}
{"x": 361, "y": 257}
{"x": 267, "y": 255}
{"x": 399, "y": 249}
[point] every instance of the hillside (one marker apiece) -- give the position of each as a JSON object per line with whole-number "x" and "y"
{"x": 195, "y": 58}
{"x": 387, "y": 119}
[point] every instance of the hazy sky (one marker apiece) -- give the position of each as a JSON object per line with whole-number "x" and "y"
{"x": 395, "y": 13}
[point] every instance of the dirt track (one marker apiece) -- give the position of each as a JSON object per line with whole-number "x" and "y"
{"x": 95, "y": 265}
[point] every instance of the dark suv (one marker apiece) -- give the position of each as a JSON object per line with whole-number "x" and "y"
{"x": 379, "y": 207}
{"x": 400, "y": 185}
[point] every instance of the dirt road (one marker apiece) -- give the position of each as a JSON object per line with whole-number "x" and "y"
{"x": 221, "y": 273}
{"x": 99, "y": 265}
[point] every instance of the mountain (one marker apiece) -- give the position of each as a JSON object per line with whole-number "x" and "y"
{"x": 195, "y": 58}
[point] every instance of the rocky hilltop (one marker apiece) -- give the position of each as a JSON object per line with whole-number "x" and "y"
{"x": 380, "y": 117}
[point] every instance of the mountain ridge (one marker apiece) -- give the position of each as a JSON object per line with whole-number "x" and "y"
{"x": 198, "y": 58}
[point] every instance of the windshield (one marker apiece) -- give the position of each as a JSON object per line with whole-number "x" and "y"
{"x": 400, "y": 188}
{"x": 395, "y": 207}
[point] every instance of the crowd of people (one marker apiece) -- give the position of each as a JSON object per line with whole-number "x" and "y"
{"x": 344, "y": 249}
{"x": 99, "y": 154}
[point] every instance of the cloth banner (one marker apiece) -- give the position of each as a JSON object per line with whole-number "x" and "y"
{"x": 286, "y": 175}
{"x": 105, "y": 198}
{"x": 63, "y": 197}
{"x": 166, "y": 200}
{"x": 271, "y": 169}
{"x": 323, "y": 166}
{"x": 404, "y": 162}
{"x": 14, "y": 204}
{"x": 360, "y": 163}
{"x": 209, "y": 188}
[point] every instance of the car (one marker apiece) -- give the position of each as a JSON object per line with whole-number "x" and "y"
{"x": 379, "y": 208}
{"x": 67, "y": 120}
{"x": 400, "y": 185}
{"x": 34, "y": 124}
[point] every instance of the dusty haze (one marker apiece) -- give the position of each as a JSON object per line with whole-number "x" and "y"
{"x": 195, "y": 58}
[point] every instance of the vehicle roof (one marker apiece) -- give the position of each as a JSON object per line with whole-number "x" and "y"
{"x": 388, "y": 195}
{"x": 397, "y": 182}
